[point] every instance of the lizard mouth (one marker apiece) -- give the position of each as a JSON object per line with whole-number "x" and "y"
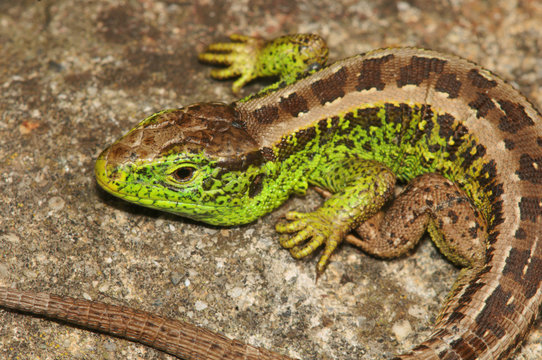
{"x": 105, "y": 178}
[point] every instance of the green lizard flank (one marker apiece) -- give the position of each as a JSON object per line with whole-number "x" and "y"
{"x": 467, "y": 145}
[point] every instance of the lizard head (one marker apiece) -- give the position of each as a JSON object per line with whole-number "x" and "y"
{"x": 197, "y": 161}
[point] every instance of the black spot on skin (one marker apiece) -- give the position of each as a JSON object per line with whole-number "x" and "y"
{"x": 208, "y": 183}
{"x": 293, "y": 104}
{"x": 490, "y": 171}
{"x": 370, "y": 117}
{"x": 434, "y": 148}
{"x": 455, "y": 316}
{"x": 428, "y": 115}
{"x": 473, "y": 232}
{"x": 480, "y": 81}
{"x": 494, "y": 314}
{"x": 305, "y": 135}
{"x": 525, "y": 270}
{"x": 448, "y": 83}
{"x": 370, "y": 73}
{"x": 530, "y": 208}
{"x": 498, "y": 217}
{"x": 255, "y": 186}
{"x": 473, "y": 153}
{"x": 453, "y": 216}
{"x": 330, "y": 88}
{"x": 539, "y": 141}
{"x": 472, "y": 288}
{"x": 420, "y": 347}
{"x": 328, "y": 129}
{"x": 509, "y": 144}
{"x": 396, "y": 114}
{"x": 491, "y": 239}
{"x": 446, "y": 122}
{"x": 459, "y": 137}
{"x": 515, "y": 117}
{"x": 266, "y": 114}
{"x": 482, "y": 104}
{"x": 429, "y": 203}
{"x": 419, "y": 69}
{"x": 516, "y": 262}
{"x": 530, "y": 169}
{"x": 288, "y": 146}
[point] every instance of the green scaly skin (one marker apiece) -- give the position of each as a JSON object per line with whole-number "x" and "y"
{"x": 250, "y": 58}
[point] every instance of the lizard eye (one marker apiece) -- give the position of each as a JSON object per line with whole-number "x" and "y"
{"x": 184, "y": 174}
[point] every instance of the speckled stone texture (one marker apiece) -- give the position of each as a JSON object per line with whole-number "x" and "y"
{"x": 75, "y": 75}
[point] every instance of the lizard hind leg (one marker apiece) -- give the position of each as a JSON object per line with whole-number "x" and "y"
{"x": 433, "y": 203}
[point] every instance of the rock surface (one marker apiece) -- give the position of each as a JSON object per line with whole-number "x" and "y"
{"x": 75, "y": 75}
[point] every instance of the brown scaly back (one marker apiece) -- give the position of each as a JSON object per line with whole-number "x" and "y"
{"x": 212, "y": 129}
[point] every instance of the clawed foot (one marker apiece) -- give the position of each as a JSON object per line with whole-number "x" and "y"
{"x": 240, "y": 56}
{"x": 310, "y": 231}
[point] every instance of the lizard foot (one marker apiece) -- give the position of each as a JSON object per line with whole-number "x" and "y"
{"x": 310, "y": 231}
{"x": 240, "y": 56}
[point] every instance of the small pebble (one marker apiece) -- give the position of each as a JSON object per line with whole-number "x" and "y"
{"x": 401, "y": 329}
{"x": 56, "y": 203}
{"x": 175, "y": 278}
{"x": 200, "y": 305}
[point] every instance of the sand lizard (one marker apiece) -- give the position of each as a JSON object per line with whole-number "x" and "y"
{"x": 468, "y": 146}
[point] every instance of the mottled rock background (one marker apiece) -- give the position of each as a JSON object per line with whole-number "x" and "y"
{"x": 75, "y": 75}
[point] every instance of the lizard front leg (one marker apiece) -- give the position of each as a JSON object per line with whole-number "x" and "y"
{"x": 288, "y": 57}
{"x": 360, "y": 187}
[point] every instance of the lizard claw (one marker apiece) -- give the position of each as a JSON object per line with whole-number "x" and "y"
{"x": 309, "y": 232}
{"x": 240, "y": 56}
